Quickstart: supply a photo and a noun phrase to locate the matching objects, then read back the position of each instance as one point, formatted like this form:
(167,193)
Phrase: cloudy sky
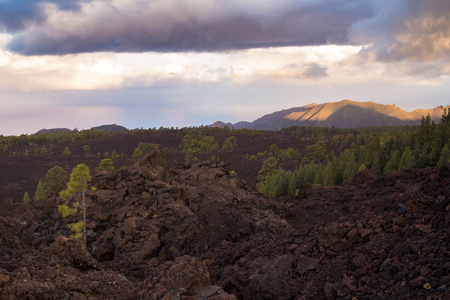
(152,63)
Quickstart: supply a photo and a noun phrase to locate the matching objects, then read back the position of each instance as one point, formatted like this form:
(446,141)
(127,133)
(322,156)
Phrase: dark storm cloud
(16,15)
(407,30)
(179,27)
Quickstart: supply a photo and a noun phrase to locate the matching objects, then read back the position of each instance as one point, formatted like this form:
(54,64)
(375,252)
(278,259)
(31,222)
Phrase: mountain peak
(345,114)
(51,130)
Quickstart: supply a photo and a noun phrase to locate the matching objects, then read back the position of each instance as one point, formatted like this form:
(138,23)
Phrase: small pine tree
(106,165)
(229,144)
(393,163)
(114,155)
(142,149)
(268,166)
(407,160)
(26,197)
(66,152)
(362,167)
(350,168)
(78,183)
(329,176)
(86,148)
(444,158)
(40,193)
(56,179)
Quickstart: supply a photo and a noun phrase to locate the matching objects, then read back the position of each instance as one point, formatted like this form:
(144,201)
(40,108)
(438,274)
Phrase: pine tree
(436,146)
(350,168)
(393,162)
(376,166)
(309,173)
(445,156)
(362,167)
(424,156)
(329,177)
(26,197)
(86,148)
(407,160)
(144,148)
(229,144)
(78,183)
(66,152)
(114,155)
(320,175)
(292,184)
(106,165)
(268,166)
(56,179)
(40,193)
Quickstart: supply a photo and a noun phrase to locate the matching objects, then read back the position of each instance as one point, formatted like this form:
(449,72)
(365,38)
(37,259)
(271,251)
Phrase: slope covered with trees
(380,150)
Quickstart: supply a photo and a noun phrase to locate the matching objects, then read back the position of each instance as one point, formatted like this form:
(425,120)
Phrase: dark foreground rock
(185,277)
(376,238)
(198,232)
(147,215)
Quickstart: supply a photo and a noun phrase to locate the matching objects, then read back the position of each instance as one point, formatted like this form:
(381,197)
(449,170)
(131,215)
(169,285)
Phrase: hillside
(343,114)
(52,130)
(111,128)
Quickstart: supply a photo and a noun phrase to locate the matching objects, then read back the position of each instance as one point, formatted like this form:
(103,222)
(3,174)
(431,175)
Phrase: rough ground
(198,232)
(20,173)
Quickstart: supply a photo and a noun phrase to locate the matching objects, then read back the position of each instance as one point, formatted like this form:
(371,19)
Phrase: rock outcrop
(147,215)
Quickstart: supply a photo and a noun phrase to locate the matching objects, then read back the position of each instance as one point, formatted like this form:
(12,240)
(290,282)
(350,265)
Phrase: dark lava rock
(198,232)
(184,278)
(156,215)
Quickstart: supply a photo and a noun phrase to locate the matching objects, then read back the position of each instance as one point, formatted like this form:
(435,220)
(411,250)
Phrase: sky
(152,63)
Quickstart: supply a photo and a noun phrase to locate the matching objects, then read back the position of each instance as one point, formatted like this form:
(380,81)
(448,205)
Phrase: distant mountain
(343,114)
(111,128)
(221,124)
(51,130)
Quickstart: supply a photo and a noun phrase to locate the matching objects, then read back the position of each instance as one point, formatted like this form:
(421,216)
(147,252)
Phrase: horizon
(83,63)
(225,122)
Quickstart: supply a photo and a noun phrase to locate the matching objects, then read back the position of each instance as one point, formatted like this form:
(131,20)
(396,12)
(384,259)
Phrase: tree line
(380,150)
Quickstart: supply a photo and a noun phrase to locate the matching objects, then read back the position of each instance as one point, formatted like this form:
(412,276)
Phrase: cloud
(315,71)
(51,27)
(416,31)
(307,71)
(18,15)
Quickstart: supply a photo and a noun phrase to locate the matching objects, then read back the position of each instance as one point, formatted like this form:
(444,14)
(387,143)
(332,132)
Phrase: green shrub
(142,149)
(229,144)
(106,165)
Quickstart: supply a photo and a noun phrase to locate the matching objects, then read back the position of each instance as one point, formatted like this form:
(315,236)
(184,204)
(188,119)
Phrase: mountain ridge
(108,127)
(344,114)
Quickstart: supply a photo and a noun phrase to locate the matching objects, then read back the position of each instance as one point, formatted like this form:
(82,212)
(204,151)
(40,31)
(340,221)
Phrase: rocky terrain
(199,232)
